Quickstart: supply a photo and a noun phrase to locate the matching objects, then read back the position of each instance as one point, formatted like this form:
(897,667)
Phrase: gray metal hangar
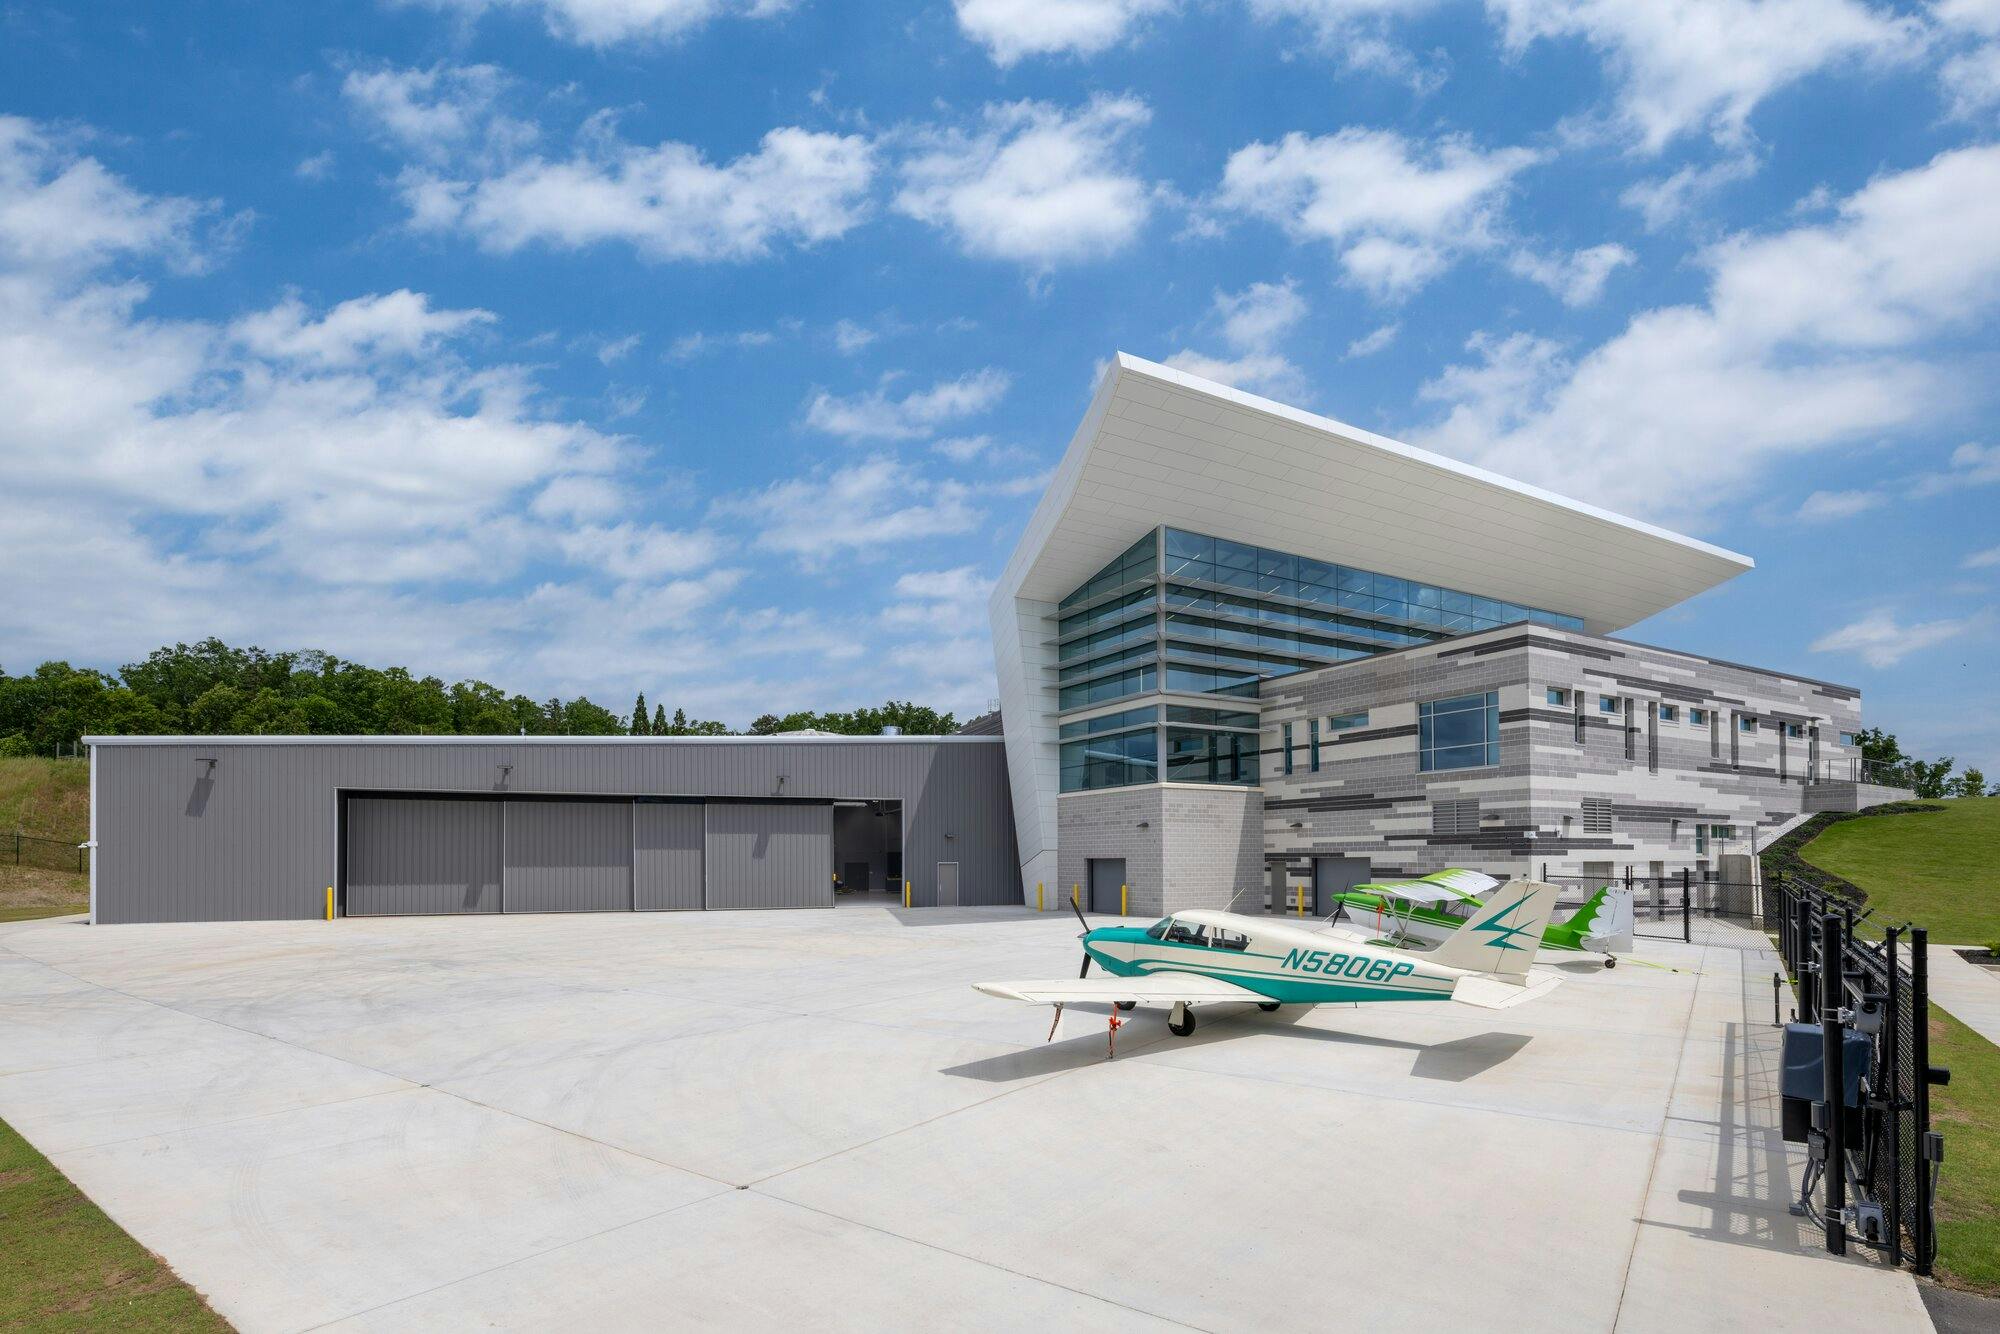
(190,829)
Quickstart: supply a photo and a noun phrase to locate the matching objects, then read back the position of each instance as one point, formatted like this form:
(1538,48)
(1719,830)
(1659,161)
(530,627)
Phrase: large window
(1111,761)
(1211,757)
(1460,733)
(1312,742)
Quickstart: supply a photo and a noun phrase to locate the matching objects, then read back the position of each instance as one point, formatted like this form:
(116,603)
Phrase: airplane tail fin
(1583,918)
(1502,937)
(1613,927)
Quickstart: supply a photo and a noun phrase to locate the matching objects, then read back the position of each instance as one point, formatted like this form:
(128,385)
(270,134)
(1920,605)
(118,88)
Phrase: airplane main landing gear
(1127,1005)
(1180,1020)
(1267,1006)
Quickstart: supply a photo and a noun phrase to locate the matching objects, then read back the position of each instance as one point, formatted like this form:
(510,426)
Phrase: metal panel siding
(769,855)
(422,857)
(667,843)
(260,840)
(569,856)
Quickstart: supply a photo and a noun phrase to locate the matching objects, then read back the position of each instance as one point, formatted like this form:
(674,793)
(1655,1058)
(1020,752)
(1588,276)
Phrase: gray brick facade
(1201,847)
(1668,780)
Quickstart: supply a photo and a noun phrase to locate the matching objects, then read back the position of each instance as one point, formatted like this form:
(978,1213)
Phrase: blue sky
(719,348)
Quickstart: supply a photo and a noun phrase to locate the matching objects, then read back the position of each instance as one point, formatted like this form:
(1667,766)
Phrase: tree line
(1888,765)
(213,689)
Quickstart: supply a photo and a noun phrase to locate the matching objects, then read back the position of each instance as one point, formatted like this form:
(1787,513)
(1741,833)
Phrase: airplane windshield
(1158,930)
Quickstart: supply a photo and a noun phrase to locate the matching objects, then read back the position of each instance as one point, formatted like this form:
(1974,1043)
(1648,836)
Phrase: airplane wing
(1153,989)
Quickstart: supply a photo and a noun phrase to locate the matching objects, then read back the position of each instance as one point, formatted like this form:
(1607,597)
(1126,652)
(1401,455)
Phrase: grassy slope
(1942,871)
(1939,870)
(64,1265)
(49,798)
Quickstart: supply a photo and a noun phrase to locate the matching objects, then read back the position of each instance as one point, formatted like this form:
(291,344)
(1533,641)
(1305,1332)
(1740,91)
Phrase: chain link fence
(53,854)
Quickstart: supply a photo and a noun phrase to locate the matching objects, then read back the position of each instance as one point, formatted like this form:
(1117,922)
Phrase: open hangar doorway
(868,851)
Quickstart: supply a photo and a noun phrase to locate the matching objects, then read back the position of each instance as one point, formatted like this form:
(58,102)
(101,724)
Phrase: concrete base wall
(1106,824)
(1853,796)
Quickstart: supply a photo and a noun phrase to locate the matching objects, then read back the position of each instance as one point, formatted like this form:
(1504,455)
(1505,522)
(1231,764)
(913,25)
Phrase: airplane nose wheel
(1180,1020)
(1267,1006)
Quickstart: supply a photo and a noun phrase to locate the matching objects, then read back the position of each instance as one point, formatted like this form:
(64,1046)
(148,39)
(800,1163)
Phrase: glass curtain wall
(1182,612)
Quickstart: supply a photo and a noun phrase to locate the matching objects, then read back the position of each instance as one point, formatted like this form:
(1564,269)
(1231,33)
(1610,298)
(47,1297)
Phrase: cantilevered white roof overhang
(1160,446)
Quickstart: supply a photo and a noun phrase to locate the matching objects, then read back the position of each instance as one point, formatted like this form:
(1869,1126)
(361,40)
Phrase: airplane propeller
(1081,973)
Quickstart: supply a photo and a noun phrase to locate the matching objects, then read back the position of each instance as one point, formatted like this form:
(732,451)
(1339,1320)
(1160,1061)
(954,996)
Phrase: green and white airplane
(1199,957)
(1431,908)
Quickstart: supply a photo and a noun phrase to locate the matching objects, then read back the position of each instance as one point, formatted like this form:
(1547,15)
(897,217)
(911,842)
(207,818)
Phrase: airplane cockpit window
(1229,940)
(1181,933)
(1158,930)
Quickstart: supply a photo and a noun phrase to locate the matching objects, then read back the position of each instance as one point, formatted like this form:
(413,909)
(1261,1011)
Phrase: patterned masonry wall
(1202,846)
(1663,778)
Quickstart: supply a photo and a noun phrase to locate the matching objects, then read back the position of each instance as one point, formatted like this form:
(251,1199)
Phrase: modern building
(1246,655)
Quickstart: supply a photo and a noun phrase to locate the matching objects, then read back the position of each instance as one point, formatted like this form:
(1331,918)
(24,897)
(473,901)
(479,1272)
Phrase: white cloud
(605,22)
(1375,341)
(617,349)
(963,448)
(1809,337)
(1830,506)
(1880,641)
(1577,278)
(1260,314)
(850,337)
(1971,81)
(864,507)
(1013,29)
(368,328)
(439,111)
(1361,34)
(1034,184)
(1971,464)
(1687,67)
(669,202)
(315,168)
(691,345)
(1253,322)
(947,602)
(1982,560)
(1663,201)
(59,209)
(875,415)
(632,551)
(1398,211)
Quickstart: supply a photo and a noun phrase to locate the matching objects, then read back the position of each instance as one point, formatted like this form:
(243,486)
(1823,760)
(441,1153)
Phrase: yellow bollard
(1076,897)
(1122,905)
(906,891)
(1302,900)
(329,903)
(1038,896)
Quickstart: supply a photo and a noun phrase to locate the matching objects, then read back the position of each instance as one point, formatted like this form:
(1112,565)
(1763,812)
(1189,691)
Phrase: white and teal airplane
(1196,958)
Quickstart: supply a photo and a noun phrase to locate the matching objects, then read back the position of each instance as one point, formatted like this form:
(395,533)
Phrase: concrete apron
(733,1120)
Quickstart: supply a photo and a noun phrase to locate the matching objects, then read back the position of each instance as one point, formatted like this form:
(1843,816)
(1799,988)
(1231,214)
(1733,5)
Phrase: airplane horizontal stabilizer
(1492,994)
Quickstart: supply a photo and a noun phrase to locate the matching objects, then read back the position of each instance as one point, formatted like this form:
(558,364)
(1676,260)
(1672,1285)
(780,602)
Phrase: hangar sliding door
(569,856)
(769,855)
(418,855)
(666,854)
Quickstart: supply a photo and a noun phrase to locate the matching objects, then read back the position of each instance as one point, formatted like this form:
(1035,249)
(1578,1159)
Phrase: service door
(1337,875)
(666,855)
(769,854)
(1106,875)
(947,884)
(569,856)
(420,855)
